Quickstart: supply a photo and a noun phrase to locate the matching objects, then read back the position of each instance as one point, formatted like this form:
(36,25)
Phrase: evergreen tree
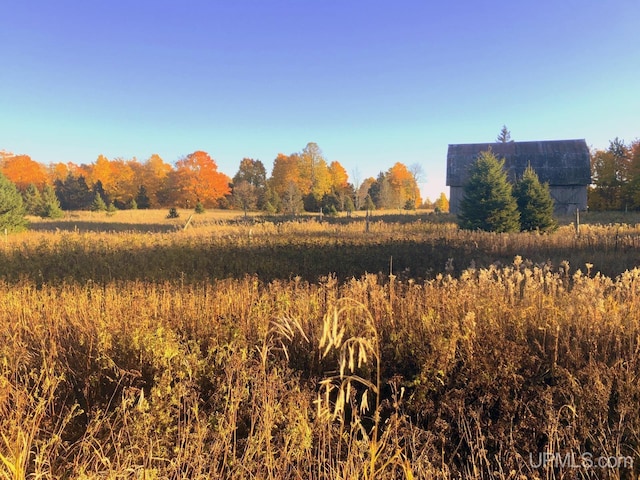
(142,198)
(49,204)
(349,207)
(12,210)
(534,203)
(73,193)
(504,136)
(488,202)
(32,199)
(98,204)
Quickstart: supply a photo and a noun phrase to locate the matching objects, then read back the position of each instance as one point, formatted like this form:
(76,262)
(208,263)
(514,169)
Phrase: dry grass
(366,379)
(138,355)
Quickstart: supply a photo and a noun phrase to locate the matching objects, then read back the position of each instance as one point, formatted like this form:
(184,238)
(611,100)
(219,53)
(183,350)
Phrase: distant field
(157,221)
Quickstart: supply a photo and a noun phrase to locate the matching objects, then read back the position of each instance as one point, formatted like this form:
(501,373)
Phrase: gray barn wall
(566,198)
(564,164)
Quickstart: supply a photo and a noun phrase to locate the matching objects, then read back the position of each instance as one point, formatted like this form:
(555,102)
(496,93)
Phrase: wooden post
(577,220)
(186,225)
(366,222)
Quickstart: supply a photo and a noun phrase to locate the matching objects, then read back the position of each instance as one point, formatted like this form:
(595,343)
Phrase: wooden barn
(564,164)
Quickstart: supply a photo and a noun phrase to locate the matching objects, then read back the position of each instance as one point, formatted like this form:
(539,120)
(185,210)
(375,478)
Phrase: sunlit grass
(262,349)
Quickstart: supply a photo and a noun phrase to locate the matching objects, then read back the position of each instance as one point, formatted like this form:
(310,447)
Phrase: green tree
(142,198)
(504,136)
(12,210)
(488,202)
(49,204)
(32,199)
(73,192)
(534,203)
(98,204)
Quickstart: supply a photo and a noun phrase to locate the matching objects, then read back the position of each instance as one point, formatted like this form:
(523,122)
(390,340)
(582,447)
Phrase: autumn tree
(340,185)
(117,178)
(292,203)
(610,172)
(363,192)
(255,175)
(632,188)
(196,179)
(22,171)
(404,187)
(441,205)
(153,174)
(488,203)
(245,195)
(12,212)
(60,171)
(286,170)
(314,171)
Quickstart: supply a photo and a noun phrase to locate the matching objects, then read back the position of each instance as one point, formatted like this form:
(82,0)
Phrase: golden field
(305,349)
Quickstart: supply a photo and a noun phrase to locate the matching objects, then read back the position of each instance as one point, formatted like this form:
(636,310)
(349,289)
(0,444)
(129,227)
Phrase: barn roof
(559,162)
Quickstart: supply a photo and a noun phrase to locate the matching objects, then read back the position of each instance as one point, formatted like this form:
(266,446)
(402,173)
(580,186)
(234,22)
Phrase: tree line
(301,181)
(615,174)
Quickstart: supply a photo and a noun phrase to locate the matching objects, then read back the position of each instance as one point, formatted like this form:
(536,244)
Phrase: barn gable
(564,164)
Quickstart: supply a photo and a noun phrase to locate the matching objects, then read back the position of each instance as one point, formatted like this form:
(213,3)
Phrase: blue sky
(371,82)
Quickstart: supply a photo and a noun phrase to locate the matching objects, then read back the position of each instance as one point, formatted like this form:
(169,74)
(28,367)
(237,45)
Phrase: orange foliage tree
(23,171)
(286,171)
(196,179)
(403,184)
(339,177)
(153,175)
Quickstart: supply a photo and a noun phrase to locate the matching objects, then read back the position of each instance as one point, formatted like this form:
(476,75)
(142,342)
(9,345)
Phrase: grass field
(401,347)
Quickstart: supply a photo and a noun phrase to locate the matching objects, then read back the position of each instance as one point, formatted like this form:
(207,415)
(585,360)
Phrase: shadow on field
(309,260)
(194,263)
(107,226)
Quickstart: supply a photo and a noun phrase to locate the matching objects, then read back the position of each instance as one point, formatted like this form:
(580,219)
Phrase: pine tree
(49,204)
(488,202)
(32,199)
(98,204)
(504,136)
(534,203)
(12,210)
(73,192)
(142,198)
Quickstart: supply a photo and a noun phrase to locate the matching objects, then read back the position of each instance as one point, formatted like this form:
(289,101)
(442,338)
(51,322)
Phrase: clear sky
(371,82)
